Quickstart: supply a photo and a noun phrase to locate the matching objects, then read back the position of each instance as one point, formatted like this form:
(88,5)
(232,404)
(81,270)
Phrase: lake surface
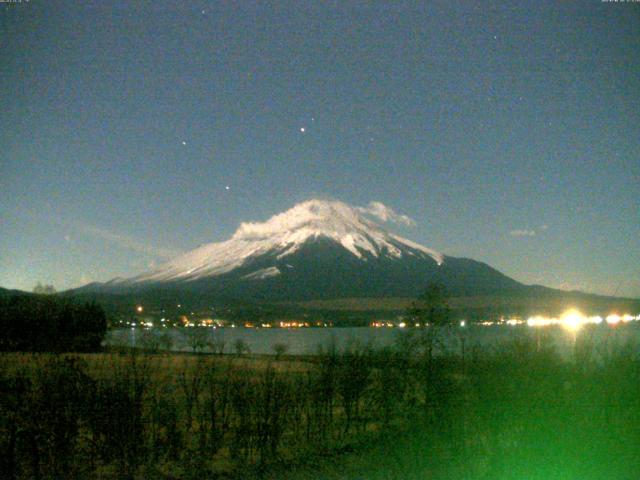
(305,341)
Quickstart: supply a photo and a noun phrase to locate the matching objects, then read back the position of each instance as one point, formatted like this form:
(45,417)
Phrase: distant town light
(572,319)
(597,319)
(539,321)
(613,319)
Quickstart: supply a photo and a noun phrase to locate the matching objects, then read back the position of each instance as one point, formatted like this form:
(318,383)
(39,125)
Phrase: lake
(305,341)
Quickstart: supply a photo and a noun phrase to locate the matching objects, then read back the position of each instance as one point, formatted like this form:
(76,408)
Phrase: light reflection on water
(307,341)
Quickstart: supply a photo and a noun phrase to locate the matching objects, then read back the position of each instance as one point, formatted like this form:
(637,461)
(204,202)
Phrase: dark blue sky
(509,131)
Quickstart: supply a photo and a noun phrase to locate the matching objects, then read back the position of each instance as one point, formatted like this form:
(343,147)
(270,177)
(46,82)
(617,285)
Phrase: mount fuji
(319,249)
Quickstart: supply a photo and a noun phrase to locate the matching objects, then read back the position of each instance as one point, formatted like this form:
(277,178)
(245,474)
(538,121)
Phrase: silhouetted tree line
(44,289)
(46,323)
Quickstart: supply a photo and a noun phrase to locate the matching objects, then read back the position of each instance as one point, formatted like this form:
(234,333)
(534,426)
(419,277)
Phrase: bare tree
(44,289)
(197,338)
(150,341)
(279,349)
(241,347)
(217,345)
(433,312)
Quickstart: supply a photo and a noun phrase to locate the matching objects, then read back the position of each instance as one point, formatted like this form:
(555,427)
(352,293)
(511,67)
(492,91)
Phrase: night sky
(510,132)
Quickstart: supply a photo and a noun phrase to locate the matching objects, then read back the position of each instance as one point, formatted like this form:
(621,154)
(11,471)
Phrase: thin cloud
(386,214)
(128,242)
(522,233)
(115,238)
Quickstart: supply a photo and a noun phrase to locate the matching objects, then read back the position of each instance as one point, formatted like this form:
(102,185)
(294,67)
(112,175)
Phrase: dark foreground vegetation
(47,323)
(516,412)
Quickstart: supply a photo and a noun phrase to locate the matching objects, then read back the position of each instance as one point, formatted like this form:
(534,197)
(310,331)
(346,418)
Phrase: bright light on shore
(540,321)
(572,320)
(613,319)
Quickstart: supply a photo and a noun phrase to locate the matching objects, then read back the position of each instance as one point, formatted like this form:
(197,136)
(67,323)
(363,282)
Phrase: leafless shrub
(279,349)
(241,347)
(217,345)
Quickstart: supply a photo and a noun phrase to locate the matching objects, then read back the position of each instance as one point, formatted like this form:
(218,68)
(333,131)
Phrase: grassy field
(515,412)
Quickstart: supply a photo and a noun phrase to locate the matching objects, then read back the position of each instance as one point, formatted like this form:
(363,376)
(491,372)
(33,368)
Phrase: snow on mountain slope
(283,235)
(262,274)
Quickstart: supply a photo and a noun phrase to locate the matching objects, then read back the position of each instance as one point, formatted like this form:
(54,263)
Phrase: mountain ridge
(318,249)
(283,234)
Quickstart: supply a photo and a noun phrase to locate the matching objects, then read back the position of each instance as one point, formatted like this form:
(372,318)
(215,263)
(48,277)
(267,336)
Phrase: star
(226,187)
(184,143)
(302,129)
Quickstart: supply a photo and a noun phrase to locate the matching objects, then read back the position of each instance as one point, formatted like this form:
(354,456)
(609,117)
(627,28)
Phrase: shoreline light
(541,321)
(573,320)
(613,319)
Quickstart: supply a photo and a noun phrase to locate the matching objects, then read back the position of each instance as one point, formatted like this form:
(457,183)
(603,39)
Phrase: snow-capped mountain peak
(286,233)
